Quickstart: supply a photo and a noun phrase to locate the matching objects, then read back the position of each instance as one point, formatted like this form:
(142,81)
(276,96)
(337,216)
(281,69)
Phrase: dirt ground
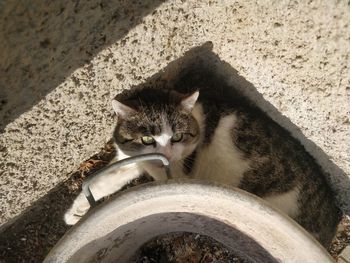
(34,233)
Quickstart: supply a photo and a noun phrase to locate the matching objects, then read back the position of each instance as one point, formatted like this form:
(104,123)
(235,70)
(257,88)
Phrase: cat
(209,135)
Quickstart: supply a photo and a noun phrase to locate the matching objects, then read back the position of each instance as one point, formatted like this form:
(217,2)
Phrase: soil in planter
(184,247)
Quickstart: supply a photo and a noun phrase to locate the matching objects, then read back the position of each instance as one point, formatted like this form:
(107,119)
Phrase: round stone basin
(116,229)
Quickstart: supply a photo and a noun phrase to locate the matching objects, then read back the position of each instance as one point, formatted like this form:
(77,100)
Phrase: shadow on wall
(44,220)
(44,42)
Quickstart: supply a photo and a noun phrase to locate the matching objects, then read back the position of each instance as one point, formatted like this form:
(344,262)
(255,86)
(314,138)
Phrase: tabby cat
(209,135)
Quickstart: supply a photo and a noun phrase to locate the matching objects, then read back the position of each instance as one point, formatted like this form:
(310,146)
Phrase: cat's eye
(147,140)
(177,137)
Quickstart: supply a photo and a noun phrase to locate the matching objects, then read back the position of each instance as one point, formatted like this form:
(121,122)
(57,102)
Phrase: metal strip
(114,166)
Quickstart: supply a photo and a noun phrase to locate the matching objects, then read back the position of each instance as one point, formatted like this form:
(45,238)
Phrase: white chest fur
(221,161)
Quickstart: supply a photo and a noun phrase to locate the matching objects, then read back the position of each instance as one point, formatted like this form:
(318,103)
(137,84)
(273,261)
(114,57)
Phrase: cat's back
(262,157)
(280,164)
(246,148)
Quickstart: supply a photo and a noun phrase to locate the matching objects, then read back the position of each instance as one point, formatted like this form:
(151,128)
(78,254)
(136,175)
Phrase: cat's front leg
(77,210)
(100,187)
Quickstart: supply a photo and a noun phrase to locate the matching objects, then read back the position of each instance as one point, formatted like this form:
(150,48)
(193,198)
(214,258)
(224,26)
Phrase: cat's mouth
(156,163)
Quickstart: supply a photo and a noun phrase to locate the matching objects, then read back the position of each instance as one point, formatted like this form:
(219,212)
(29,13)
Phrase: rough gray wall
(62,62)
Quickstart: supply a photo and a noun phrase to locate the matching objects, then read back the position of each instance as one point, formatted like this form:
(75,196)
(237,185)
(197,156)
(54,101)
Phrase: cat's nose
(167,152)
(167,155)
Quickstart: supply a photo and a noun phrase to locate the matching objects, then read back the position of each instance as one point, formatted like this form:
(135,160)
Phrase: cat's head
(157,121)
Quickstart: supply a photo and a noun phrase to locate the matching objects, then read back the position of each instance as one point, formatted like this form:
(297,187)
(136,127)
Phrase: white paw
(76,212)
(70,218)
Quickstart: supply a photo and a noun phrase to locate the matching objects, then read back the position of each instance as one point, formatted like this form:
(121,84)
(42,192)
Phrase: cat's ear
(121,109)
(189,101)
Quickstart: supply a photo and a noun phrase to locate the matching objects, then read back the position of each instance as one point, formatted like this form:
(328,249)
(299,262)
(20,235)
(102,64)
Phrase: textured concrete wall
(62,62)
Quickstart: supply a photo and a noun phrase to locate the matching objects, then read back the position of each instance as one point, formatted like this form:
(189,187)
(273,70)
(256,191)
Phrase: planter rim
(201,198)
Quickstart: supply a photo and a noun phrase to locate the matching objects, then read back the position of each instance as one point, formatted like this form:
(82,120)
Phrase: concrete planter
(113,231)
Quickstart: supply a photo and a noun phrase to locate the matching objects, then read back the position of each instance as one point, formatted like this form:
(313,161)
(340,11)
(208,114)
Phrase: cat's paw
(77,211)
